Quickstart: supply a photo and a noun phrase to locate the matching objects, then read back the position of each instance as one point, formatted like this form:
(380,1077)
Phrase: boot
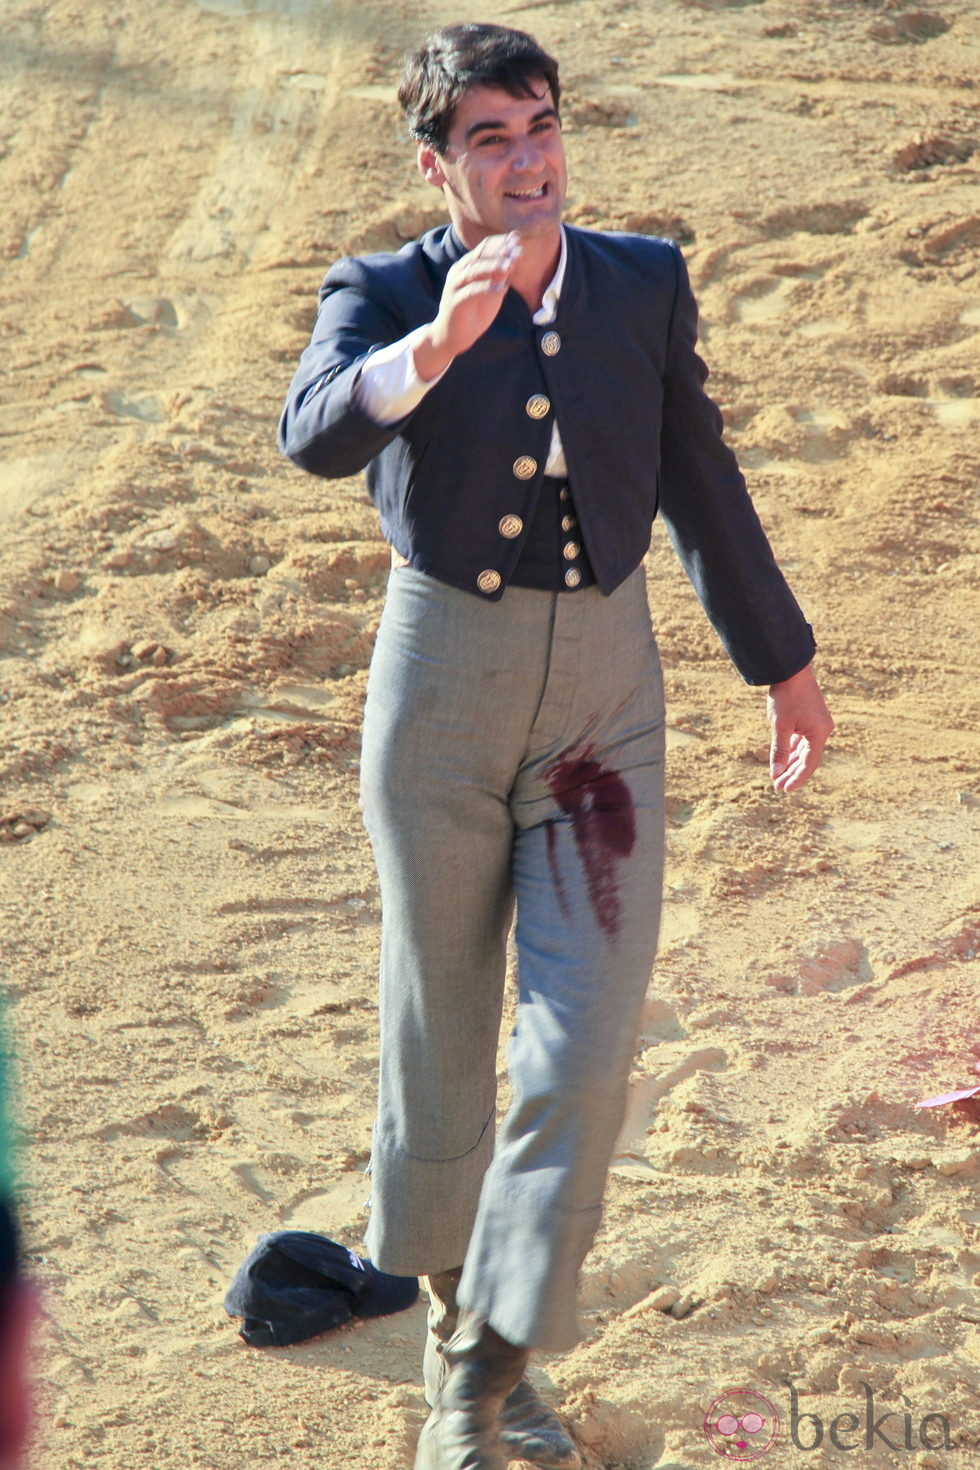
(529,1429)
(463,1430)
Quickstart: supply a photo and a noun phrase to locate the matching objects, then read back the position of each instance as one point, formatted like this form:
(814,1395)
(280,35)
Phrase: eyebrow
(501,127)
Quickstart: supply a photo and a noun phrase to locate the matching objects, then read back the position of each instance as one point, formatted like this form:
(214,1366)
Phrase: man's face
(504,165)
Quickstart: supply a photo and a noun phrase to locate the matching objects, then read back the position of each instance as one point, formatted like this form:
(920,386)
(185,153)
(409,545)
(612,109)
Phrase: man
(523,395)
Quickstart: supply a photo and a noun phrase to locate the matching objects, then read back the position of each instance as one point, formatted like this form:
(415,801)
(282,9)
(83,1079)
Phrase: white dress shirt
(389,387)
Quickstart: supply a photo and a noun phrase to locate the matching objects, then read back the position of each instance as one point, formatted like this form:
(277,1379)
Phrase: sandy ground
(189,914)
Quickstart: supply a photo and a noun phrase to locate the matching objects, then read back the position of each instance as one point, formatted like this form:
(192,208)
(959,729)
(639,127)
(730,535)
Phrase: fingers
(473,293)
(794,758)
(780,750)
(472,290)
(492,262)
(797,766)
(801,727)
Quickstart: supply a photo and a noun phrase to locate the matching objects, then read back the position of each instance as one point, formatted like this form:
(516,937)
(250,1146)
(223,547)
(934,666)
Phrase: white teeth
(526,193)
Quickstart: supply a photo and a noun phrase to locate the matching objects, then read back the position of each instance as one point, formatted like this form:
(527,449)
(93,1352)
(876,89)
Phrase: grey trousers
(512,754)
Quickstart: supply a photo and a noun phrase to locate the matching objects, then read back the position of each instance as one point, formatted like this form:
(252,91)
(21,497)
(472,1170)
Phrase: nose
(526,155)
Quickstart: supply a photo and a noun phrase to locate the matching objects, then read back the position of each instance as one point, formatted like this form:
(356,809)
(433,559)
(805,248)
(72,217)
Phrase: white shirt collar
(549,302)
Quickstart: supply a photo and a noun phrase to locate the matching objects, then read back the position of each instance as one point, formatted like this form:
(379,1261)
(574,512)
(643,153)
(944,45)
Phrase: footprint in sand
(955,413)
(831,218)
(139,311)
(143,406)
(646,1091)
(659,1022)
(340,1207)
(764,301)
(838,965)
(768,298)
(170,1121)
(27,480)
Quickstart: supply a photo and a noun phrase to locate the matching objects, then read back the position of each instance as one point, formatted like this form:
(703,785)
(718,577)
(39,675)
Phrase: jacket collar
(444,247)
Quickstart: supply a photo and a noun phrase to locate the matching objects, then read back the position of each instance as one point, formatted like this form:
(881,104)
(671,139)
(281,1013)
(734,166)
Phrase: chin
(534,228)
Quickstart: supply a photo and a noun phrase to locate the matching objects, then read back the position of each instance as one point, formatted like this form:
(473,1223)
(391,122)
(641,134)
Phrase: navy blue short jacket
(619,369)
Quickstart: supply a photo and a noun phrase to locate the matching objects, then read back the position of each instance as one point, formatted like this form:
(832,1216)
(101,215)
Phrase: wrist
(801,676)
(431,354)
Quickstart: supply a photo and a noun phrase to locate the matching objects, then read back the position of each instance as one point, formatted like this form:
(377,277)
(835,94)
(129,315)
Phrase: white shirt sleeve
(389,387)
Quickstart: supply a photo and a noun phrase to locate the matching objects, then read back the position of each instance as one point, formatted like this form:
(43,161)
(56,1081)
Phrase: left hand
(801,726)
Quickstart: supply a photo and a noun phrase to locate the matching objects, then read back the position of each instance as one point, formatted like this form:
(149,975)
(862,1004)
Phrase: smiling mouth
(538,193)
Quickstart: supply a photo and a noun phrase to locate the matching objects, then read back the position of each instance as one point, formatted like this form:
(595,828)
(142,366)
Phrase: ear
(430,166)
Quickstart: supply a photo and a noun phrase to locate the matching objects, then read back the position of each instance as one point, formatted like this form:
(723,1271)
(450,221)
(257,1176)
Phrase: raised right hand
(471,298)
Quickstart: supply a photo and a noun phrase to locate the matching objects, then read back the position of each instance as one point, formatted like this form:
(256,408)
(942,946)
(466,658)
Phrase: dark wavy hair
(458,57)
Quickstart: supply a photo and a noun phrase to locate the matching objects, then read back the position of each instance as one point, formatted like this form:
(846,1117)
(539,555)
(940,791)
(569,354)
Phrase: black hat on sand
(294,1285)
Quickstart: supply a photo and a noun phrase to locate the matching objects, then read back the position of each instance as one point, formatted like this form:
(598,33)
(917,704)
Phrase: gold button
(568,523)
(573,577)
(571,550)
(524,467)
(550,344)
(563,494)
(537,406)
(510,526)
(488,581)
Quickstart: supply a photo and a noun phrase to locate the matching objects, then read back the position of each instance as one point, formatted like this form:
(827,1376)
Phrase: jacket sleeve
(712,522)
(322,428)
